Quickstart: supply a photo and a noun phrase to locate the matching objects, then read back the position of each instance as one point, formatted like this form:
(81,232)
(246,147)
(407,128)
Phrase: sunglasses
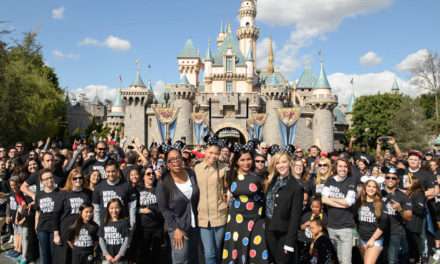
(101,149)
(323,165)
(391,178)
(148,173)
(46,179)
(260,161)
(77,178)
(176,160)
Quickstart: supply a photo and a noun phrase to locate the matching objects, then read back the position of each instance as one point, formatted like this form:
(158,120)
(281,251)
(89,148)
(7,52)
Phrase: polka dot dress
(245,241)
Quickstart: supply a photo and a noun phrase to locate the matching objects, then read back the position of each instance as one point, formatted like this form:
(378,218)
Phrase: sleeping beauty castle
(224,93)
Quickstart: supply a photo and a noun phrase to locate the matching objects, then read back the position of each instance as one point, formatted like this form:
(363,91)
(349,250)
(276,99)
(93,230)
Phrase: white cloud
(413,60)
(310,19)
(369,83)
(112,42)
(58,13)
(90,91)
(117,43)
(61,55)
(105,92)
(370,59)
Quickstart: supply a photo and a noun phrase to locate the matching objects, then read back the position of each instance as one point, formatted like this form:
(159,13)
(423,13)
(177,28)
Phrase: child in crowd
(113,235)
(321,249)
(83,236)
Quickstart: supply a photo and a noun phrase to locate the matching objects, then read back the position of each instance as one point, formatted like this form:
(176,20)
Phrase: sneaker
(22,261)
(15,254)
(9,253)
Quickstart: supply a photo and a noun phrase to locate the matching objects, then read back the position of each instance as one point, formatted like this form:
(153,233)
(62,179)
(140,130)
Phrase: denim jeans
(188,254)
(397,244)
(342,240)
(46,248)
(212,239)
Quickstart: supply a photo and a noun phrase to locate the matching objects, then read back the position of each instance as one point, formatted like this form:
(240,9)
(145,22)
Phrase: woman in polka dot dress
(244,237)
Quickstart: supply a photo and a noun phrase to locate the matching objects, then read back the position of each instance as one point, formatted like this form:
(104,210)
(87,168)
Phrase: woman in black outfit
(284,202)
(178,197)
(74,194)
(149,221)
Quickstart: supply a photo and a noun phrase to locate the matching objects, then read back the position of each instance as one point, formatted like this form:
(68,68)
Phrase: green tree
(409,125)
(32,104)
(372,115)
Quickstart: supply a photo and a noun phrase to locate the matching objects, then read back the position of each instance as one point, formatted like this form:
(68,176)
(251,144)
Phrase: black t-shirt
(49,205)
(71,203)
(147,199)
(87,237)
(95,164)
(395,219)
(368,222)
(114,234)
(426,178)
(339,218)
(104,192)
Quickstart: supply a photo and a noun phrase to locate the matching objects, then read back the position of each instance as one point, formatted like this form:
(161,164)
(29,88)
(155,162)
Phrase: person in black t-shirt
(426,177)
(83,236)
(339,195)
(48,204)
(99,161)
(398,207)
(372,222)
(113,187)
(74,195)
(149,222)
(114,234)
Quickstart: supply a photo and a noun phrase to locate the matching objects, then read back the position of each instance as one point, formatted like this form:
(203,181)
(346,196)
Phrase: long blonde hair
(273,170)
(320,178)
(69,186)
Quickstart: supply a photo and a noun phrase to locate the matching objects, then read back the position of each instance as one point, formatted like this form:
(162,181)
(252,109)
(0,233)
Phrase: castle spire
(138,82)
(270,67)
(229,29)
(322,82)
(208,56)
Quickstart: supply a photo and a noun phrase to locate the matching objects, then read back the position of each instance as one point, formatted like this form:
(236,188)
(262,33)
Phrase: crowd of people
(112,202)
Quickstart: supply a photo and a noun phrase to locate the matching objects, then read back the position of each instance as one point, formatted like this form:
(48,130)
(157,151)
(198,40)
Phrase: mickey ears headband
(237,148)
(165,148)
(289,149)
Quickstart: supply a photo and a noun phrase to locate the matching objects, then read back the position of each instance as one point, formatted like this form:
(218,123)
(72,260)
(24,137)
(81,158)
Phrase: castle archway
(231,134)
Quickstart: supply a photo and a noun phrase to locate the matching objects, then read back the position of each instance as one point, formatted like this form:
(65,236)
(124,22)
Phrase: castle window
(229,64)
(229,86)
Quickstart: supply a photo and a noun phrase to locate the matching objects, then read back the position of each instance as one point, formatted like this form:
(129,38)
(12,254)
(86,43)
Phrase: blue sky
(396,33)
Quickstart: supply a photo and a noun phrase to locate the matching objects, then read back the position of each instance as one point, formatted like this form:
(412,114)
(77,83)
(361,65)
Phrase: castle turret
(190,63)
(250,70)
(323,102)
(248,33)
(115,119)
(208,68)
(136,98)
(184,93)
